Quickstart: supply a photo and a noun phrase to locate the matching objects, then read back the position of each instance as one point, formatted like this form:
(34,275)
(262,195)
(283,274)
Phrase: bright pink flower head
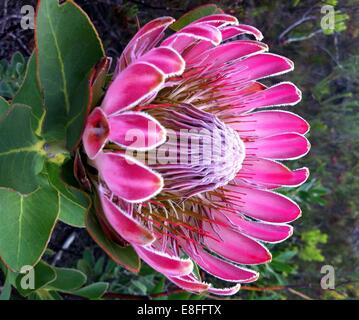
(186,162)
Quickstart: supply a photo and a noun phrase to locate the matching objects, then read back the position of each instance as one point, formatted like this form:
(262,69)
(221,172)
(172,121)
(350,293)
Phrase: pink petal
(228,52)
(232,93)
(235,246)
(190,284)
(124,224)
(234,31)
(251,88)
(168,60)
(263,205)
(267,123)
(128,178)
(196,50)
(204,32)
(180,42)
(225,291)
(286,146)
(260,66)
(263,171)
(96,133)
(220,268)
(171,266)
(256,185)
(281,94)
(218,20)
(136,83)
(159,24)
(248,89)
(224,99)
(190,35)
(262,231)
(136,130)
(144,40)
(231,32)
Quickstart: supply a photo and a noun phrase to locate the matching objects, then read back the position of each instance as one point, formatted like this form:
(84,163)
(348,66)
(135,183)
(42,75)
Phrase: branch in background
(330,55)
(20,42)
(305,18)
(296,24)
(64,247)
(303,38)
(4,20)
(336,46)
(5,15)
(300,294)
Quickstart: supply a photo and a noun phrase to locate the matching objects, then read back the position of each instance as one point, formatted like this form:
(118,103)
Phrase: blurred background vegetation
(327,71)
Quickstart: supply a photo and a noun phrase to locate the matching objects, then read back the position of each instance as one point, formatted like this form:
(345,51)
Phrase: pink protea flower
(215,210)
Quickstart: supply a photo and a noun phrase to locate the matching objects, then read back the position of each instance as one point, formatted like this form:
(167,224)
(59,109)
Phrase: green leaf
(4,106)
(92,291)
(85,267)
(98,268)
(285,256)
(43,275)
(11,75)
(201,296)
(331,2)
(53,295)
(6,290)
(26,224)
(44,295)
(17,59)
(160,285)
(124,256)
(195,14)
(6,90)
(74,203)
(29,92)
(68,47)
(179,296)
(281,266)
(67,280)
(139,286)
(72,213)
(21,153)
